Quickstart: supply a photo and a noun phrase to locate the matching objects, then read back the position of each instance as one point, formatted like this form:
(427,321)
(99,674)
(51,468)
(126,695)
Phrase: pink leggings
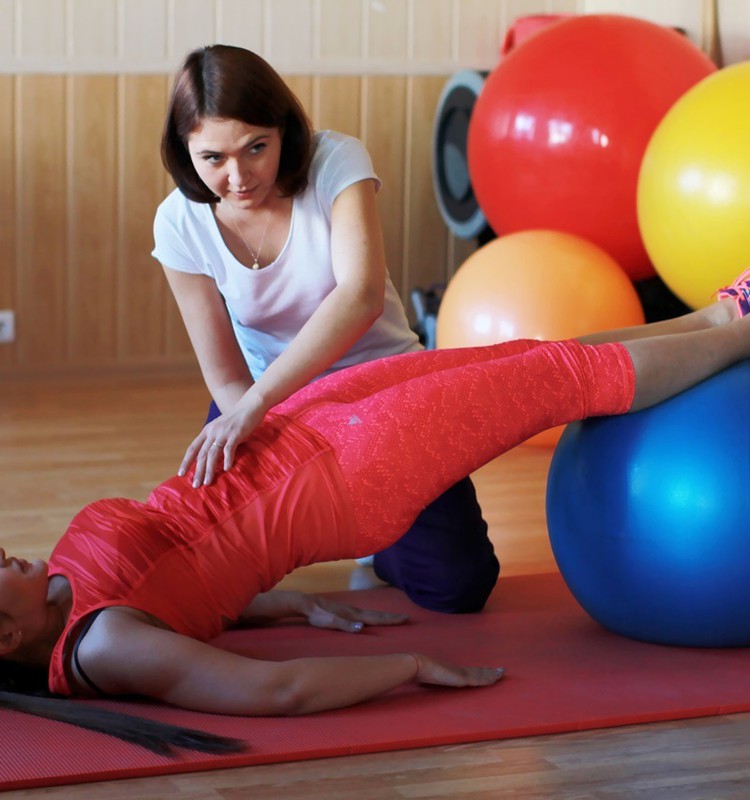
(406,428)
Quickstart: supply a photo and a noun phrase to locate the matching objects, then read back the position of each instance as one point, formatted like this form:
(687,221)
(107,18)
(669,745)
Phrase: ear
(10,636)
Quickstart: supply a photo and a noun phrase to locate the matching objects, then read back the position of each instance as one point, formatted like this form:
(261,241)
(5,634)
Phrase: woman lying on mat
(134,592)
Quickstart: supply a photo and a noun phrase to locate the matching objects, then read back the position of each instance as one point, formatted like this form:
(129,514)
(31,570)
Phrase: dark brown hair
(23,688)
(227,82)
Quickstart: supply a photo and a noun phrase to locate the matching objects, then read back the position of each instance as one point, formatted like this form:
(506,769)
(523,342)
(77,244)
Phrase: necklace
(255,256)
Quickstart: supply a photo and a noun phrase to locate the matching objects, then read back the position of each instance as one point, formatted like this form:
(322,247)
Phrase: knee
(458,587)
(446,561)
(464,586)
(458,581)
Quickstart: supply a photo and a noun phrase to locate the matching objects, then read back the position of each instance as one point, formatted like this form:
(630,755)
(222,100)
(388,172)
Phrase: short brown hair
(227,82)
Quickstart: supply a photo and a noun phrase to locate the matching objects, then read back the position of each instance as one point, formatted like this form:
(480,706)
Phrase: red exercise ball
(557,134)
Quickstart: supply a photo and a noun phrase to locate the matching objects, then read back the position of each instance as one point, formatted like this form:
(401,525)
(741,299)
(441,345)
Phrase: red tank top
(195,558)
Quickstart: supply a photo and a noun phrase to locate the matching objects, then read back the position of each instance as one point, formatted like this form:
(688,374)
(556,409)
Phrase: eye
(257,148)
(212,158)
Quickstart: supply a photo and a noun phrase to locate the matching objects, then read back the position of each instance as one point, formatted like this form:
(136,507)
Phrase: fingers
(373,618)
(191,453)
(326,613)
(229,451)
(383,618)
(322,618)
(210,454)
(207,454)
(437,673)
(483,676)
(209,461)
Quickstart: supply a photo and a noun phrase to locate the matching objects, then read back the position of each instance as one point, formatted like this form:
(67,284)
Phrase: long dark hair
(24,689)
(227,82)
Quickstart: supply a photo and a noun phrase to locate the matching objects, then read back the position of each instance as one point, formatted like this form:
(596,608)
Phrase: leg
(667,365)
(362,380)
(402,446)
(711,316)
(709,339)
(445,561)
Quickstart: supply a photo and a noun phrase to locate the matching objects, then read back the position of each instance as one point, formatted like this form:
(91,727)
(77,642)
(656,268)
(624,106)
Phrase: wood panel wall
(81,178)
(83,88)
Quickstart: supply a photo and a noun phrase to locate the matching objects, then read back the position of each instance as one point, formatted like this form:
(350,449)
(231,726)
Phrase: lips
(243,194)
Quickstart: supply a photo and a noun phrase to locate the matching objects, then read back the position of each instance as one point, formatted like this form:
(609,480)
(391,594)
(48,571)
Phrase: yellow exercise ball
(536,284)
(694,187)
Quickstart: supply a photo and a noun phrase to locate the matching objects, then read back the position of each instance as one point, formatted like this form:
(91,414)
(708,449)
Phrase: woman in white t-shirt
(273,249)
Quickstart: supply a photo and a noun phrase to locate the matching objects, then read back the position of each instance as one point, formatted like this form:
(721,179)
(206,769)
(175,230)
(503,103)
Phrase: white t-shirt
(268,307)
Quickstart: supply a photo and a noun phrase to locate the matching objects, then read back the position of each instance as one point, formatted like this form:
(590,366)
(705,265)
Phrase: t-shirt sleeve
(173,238)
(342,162)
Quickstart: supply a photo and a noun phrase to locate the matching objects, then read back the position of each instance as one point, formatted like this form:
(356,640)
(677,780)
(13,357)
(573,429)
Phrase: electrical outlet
(7,326)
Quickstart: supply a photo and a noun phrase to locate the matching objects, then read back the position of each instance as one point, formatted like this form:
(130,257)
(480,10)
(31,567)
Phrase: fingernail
(357,626)
(500,671)
(181,473)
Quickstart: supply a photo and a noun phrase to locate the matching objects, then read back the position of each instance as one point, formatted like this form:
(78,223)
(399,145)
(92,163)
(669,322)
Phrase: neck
(272,204)
(59,606)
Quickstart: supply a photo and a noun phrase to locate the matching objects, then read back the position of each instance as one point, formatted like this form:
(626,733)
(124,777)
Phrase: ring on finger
(219,445)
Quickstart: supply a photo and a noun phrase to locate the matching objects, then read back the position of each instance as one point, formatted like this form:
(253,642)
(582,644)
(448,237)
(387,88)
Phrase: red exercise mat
(564,673)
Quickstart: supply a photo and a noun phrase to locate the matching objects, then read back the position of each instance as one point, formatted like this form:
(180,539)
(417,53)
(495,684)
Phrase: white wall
(297,36)
(733,19)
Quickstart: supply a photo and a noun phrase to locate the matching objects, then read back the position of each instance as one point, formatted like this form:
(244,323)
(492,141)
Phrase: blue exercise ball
(649,516)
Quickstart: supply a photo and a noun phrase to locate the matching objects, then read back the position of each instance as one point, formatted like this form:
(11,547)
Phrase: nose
(238,173)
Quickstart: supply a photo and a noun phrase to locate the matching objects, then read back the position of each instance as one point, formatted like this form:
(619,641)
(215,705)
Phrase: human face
(23,587)
(237,162)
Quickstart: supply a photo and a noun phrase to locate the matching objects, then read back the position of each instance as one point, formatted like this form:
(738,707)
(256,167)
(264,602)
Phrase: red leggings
(406,428)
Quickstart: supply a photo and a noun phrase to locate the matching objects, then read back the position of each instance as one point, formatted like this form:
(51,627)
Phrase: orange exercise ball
(537,284)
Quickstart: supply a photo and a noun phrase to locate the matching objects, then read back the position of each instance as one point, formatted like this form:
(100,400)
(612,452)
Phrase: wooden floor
(63,445)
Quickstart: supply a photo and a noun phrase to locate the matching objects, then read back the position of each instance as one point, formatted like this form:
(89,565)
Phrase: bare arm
(125,655)
(222,364)
(320,612)
(340,320)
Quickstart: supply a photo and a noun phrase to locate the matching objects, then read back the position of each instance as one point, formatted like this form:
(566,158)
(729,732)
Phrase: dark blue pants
(445,561)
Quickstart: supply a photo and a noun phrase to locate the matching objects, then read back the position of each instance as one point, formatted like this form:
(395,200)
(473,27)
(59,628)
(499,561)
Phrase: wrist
(254,402)
(301,603)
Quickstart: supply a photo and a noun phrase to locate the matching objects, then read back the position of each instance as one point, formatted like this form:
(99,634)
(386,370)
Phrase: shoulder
(114,632)
(182,230)
(332,145)
(327,141)
(338,161)
(175,210)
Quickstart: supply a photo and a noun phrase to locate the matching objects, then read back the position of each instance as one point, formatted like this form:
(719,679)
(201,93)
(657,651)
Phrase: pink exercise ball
(535,285)
(557,134)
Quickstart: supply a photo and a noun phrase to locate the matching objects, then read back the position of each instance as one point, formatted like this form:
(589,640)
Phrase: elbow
(292,699)
(297,691)
(372,303)
(378,306)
